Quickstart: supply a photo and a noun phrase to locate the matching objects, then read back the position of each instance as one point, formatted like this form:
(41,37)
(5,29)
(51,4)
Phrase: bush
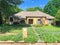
(25,25)
(37,25)
(57,22)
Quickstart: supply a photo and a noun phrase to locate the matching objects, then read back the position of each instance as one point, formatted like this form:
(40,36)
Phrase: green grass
(14,32)
(15,38)
(32,37)
(12,28)
(49,33)
(46,33)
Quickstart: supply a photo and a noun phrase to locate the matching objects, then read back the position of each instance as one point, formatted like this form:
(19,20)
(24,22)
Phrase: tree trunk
(0,18)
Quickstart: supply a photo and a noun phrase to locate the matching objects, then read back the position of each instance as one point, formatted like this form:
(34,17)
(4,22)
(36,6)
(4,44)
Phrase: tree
(34,9)
(12,10)
(58,15)
(7,7)
(52,7)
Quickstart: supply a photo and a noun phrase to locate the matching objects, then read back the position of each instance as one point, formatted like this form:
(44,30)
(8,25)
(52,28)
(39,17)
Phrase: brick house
(31,17)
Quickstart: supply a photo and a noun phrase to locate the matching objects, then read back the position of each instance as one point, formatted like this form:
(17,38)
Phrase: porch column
(44,21)
(27,20)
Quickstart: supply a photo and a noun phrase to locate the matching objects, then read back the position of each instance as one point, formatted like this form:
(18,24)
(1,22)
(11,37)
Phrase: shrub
(37,25)
(57,22)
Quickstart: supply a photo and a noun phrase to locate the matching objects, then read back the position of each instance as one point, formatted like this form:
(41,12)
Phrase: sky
(33,3)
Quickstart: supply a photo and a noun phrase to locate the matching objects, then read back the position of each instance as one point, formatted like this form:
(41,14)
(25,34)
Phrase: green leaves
(34,9)
(58,15)
(52,7)
(9,7)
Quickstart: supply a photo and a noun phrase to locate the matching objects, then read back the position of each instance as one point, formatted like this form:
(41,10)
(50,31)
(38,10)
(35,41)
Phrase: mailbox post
(24,32)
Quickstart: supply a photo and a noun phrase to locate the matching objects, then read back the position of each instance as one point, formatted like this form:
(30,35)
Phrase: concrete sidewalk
(18,43)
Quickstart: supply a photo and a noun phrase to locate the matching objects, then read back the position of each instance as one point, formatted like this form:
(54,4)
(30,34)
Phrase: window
(39,21)
(50,21)
(30,21)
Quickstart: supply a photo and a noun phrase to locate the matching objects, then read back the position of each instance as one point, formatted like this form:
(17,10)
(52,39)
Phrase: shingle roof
(23,14)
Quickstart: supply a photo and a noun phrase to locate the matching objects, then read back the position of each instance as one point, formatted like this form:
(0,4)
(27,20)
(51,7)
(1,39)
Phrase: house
(31,17)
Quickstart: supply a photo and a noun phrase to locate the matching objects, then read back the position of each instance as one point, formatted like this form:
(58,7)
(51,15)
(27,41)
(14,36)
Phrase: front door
(30,21)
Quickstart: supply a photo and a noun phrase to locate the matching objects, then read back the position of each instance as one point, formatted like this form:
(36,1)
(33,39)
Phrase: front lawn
(49,33)
(32,37)
(15,38)
(10,28)
(11,32)
(14,33)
